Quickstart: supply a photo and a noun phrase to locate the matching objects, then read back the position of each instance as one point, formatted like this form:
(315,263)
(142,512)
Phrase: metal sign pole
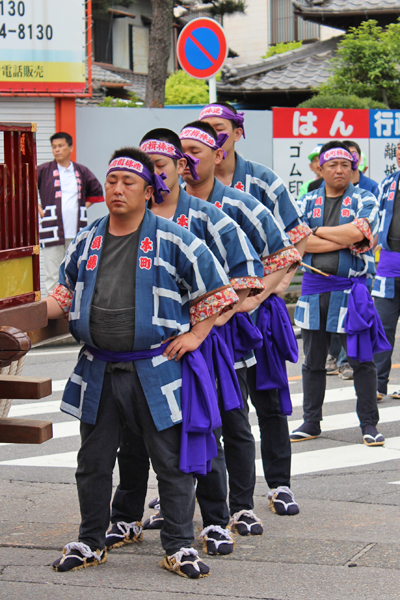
(212,89)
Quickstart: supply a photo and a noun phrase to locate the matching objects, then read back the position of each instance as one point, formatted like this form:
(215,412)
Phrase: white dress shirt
(69,200)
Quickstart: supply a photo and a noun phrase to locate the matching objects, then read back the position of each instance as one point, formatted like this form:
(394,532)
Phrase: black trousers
(238,456)
(389,312)
(240,453)
(316,345)
(123,403)
(276,453)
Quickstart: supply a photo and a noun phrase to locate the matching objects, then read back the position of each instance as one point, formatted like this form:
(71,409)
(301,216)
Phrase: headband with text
(339,153)
(217,110)
(167,149)
(198,135)
(124,163)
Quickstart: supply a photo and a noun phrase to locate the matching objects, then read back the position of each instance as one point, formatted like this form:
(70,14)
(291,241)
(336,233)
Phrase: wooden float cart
(23,315)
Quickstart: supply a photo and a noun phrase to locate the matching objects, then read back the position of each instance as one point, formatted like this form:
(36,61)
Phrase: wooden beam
(55,329)
(16,386)
(24,431)
(25,317)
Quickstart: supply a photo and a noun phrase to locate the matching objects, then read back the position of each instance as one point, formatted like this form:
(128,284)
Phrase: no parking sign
(202,48)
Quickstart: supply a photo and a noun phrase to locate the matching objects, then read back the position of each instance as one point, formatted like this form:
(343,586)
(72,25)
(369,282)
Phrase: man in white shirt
(66,190)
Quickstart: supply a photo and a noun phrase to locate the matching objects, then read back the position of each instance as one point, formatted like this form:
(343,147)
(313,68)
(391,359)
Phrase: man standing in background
(66,190)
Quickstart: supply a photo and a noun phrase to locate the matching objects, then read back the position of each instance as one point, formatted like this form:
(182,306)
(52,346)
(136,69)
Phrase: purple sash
(365,333)
(200,413)
(220,366)
(240,335)
(279,345)
(389,264)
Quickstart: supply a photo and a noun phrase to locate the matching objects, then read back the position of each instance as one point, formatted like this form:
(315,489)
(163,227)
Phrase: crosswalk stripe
(341,421)
(305,462)
(342,457)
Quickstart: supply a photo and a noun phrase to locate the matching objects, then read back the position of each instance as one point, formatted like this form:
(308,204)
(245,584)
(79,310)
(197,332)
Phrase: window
(286,27)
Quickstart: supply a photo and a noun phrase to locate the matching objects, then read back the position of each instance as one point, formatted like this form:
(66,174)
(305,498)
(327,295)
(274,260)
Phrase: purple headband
(217,110)
(335,153)
(124,163)
(167,149)
(198,135)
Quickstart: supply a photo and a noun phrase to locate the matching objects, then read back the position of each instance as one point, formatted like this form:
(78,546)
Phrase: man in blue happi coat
(264,184)
(343,219)
(139,292)
(277,254)
(386,291)
(234,252)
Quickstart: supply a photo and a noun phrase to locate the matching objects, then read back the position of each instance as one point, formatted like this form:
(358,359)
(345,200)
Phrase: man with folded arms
(344,220)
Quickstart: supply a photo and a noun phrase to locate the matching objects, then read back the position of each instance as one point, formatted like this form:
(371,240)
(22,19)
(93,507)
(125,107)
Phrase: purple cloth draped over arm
(279,345)
(200,413)
(364,329)
(220,366)
(389,264)
(240,335)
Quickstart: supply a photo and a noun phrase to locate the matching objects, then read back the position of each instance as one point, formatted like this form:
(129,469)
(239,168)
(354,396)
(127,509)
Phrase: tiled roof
(133,82)
(301,69)
(330,6)
(104,76)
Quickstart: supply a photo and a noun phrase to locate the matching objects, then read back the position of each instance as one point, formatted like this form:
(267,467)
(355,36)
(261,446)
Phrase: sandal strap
(83,549)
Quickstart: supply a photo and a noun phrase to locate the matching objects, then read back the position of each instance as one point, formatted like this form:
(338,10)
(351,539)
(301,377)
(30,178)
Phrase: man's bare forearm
(341,234)
(317,245)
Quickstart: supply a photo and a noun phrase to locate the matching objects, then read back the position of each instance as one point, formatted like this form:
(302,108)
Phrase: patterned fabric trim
(245,283)
(63,297)
(365,228)
(276,262)
(212,304)
(298,233)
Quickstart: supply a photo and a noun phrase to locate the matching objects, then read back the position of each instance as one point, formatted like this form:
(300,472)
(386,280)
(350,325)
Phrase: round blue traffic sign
(202,48)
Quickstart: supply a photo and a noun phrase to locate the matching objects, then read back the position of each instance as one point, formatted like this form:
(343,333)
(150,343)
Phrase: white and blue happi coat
(356,204)
(174,270)
(222,235)
(384,287)
(267,187)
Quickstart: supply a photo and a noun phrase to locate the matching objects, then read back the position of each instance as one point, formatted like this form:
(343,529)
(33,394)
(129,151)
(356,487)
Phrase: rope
(15,368)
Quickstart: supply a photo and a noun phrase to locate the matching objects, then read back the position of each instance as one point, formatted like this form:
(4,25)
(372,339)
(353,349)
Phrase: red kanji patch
(318,201)
(316,213)
(347,201)
(345,212)
(145,263)
(183,221)
(146,245)
(391,196)
(239,186)
(393,185)
(96,244)
(218,204)
(92,262)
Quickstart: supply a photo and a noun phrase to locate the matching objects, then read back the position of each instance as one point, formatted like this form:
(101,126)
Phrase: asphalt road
(343,544)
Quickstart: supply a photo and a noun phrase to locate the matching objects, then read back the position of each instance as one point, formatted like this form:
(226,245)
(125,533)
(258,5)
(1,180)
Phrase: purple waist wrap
(389,264)
(200,413)
(240,335)
(365,333)
(279,345)
(220,366)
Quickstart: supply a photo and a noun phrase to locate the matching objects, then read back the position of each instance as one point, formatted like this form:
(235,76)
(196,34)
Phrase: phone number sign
(42,46)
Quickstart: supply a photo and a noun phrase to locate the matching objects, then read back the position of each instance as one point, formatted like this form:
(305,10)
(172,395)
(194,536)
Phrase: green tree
(282,47)
(339,101)
(367,64)
(180,88)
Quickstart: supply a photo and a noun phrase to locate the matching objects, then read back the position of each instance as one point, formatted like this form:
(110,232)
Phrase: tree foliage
(282,47)
(340,101)
(367,64)
(226,7)
(180,88)
(133,102)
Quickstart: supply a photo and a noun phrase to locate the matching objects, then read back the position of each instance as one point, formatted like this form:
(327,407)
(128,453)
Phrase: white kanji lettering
(397,123)
(340,125)
(304,124)
(383,123)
